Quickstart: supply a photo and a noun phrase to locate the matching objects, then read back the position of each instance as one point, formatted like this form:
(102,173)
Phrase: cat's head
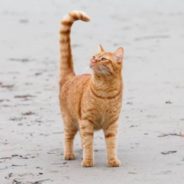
(107,63)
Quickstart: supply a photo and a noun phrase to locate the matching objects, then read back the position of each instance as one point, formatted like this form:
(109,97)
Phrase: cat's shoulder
(84,76)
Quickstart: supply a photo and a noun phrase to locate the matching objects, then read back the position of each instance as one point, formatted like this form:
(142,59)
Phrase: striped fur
(90,102)
(66,65)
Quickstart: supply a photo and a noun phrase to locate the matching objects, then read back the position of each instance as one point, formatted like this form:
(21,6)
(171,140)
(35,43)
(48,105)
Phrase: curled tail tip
(81,15)
(84,17)
(77,15)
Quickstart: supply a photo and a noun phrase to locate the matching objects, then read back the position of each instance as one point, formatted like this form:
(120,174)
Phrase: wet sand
(151,133)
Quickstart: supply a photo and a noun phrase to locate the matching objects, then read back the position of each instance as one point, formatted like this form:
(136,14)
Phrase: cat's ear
(119,53)
(100,48)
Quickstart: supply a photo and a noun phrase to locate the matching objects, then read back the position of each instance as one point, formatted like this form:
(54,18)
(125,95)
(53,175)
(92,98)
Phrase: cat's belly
(102,115)
(105,121)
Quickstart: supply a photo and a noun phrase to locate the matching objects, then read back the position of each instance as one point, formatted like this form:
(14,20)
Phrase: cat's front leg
(110,138)
(86,131)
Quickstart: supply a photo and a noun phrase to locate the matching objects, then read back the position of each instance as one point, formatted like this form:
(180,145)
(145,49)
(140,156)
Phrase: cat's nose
(93,60)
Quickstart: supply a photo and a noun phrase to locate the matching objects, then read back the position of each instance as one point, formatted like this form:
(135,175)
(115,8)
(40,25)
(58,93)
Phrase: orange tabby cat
(90,102)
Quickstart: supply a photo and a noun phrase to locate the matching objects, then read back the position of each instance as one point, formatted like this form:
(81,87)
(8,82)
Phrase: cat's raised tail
(66,63)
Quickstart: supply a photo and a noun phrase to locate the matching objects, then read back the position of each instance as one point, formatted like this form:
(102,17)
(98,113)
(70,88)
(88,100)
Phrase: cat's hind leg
(70,131)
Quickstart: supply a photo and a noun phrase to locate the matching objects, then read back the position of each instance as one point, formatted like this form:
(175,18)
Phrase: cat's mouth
(93,63)
(99,68)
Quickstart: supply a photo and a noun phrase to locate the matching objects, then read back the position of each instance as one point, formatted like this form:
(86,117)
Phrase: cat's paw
(69,156)
(114,163)
(87,163)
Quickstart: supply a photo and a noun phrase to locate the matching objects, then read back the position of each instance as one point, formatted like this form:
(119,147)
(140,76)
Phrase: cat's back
(76,81)
(71,92)
(75,86)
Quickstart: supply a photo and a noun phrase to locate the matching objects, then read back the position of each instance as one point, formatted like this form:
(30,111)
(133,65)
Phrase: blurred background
(151,134)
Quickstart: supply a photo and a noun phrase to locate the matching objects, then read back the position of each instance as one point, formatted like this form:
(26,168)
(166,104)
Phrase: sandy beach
(151,132)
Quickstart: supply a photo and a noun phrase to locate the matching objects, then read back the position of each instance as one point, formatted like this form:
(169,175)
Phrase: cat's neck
(105,86)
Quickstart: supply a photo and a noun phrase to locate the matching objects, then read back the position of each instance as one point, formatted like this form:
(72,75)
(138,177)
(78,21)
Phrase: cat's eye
(104,59)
